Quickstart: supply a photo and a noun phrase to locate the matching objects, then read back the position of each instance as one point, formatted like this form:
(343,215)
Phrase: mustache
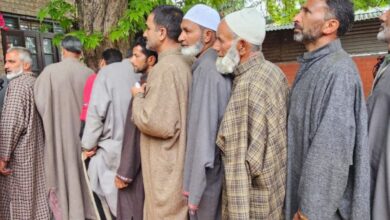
(297,26)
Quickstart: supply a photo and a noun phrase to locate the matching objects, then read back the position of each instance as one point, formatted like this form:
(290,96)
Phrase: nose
(144,35)
(382,18)
(181,37)
(297,17)
(217,46)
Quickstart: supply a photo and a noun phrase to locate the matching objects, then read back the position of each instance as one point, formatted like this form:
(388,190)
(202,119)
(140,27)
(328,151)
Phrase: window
(24,31)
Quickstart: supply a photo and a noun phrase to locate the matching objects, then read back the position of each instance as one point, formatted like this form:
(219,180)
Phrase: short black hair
(112,55)
(169,17)
(141,41)
(72,44)
(342,10)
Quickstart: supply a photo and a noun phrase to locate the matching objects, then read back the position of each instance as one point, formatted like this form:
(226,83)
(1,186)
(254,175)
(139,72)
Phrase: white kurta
(104,127)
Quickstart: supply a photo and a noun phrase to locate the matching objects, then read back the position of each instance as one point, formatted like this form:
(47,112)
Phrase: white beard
(298,37)
(193,50)
(230,61)
(383,35)
(11,75)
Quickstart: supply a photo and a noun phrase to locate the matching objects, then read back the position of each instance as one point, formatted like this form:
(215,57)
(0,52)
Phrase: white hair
(24,54)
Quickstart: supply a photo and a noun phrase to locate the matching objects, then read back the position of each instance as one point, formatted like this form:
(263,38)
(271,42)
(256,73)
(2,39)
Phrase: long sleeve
(96,113)
(130,163)
(210,95)
(13,120)
(326,167)
(42,92)
(152,112)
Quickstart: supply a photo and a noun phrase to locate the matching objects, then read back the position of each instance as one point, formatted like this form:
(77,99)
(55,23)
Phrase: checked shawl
(23,193)
(252,137)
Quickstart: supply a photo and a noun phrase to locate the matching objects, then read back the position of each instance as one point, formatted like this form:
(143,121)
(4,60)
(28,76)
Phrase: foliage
(283,11)
(133,20)
(60,11)
(366,4)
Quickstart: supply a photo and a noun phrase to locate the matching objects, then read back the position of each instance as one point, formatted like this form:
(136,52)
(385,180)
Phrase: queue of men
(197,124)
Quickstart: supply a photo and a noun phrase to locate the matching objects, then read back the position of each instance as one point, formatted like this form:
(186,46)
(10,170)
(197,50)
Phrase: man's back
(104,127)
(58,92)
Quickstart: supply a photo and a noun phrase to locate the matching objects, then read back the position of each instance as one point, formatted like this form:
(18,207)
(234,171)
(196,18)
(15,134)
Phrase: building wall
(21,7)
(365,65)
(361,42)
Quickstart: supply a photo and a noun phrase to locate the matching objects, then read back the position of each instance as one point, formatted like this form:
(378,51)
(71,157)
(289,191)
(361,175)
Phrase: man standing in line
(22,179)
(59,94)
(209,95)
(104,128)
(159,112)
(4,81)
(328,157)
(379,129)
(129,179)
(252,135)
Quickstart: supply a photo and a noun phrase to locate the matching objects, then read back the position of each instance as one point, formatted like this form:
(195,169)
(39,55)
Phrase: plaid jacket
(23,193)
(252,137)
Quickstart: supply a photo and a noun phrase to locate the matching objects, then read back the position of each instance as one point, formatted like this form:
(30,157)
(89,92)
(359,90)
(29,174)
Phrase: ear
(102,63)
(331,26)
(207,36)
(26,66)
(242,47)
(151,61)
(162,33)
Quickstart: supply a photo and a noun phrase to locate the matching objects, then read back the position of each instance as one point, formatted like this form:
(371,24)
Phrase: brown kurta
(58,93)
(160,114)
(131,199)
(253,141)
(23,193)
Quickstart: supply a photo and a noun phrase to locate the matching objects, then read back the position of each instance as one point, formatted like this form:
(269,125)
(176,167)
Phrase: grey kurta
(160,115)
(203,171)
(58,94)
(23,193)
(378,129)
(3,89)
(104,126)
(328,157)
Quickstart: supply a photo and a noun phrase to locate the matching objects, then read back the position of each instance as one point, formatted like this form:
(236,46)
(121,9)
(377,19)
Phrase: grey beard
(383,35)
(298,37)
(193,50)
(11,75)
(229,62)
(307,37)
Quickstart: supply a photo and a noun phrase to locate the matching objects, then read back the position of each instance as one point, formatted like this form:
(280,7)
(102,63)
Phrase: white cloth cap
(203,15)
(248,24)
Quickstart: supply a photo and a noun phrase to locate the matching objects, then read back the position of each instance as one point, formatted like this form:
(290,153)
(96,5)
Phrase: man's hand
(192,209)
(3,168)
(299,216)
(120,184)
(135,90)
(90,153)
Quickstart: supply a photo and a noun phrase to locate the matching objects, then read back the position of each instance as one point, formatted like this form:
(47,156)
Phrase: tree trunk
(101,16)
